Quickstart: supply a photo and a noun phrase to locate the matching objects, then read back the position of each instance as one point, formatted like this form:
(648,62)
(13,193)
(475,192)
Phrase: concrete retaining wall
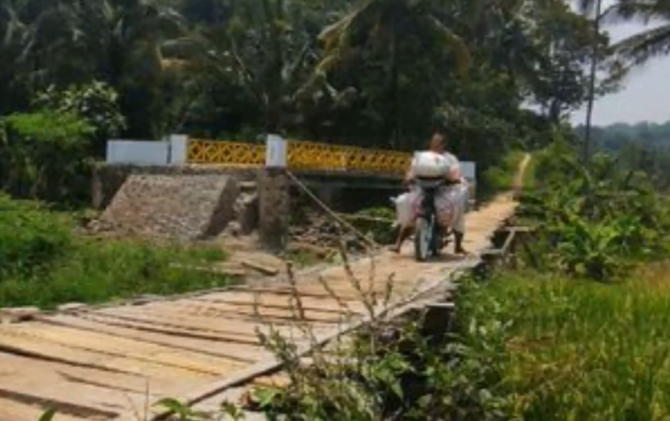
(180,206)
(108,178)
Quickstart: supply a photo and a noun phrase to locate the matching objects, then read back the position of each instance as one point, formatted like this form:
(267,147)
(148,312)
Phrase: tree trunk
(592,81)
(395,124)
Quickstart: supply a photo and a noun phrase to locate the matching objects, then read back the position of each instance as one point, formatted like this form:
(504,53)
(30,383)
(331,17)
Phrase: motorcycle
(429,237)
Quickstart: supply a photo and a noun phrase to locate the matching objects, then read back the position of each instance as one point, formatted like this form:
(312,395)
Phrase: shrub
(42,156)
(43,264)
(31,239)
(95,103)
(594,221)
(376,223)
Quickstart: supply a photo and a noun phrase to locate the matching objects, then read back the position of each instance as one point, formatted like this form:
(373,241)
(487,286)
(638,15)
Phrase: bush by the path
(593,220)
(43,264)
(31,239)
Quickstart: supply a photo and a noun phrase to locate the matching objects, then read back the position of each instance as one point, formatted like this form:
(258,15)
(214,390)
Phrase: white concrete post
(178,149)
(275,152)
(273,196)
(468,171)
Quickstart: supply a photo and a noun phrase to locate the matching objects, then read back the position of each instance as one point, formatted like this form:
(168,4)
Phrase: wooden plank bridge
(105,363)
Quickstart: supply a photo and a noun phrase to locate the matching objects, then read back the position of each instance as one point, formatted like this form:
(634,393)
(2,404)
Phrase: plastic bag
(447,207)
(404,207)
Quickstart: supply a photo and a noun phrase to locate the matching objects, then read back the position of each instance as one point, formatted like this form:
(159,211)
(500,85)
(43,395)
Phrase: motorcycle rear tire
(422,240)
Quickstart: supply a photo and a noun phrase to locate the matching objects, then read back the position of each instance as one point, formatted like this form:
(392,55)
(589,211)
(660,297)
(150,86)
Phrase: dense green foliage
(593,221)
(42,263)
(371,73)
(643,146)
(616,136)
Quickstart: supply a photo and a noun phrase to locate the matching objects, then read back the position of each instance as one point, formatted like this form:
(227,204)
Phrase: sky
(646,92)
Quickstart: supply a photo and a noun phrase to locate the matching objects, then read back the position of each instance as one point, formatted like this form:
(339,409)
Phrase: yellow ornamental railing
(228,153)
(301,156)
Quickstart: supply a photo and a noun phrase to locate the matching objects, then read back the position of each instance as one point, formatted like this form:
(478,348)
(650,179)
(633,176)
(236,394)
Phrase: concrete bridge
(178,186)
(319,163)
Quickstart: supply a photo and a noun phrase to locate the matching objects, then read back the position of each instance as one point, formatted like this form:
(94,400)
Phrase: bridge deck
(105,363)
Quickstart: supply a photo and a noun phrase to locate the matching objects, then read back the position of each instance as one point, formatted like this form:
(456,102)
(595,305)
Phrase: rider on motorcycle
(438,145)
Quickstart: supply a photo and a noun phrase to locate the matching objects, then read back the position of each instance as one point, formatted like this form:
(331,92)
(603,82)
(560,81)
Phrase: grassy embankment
(42,263)
(577,350)
(563,346)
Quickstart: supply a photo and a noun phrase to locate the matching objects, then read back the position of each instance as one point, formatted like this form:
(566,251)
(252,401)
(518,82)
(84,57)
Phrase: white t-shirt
(454,163)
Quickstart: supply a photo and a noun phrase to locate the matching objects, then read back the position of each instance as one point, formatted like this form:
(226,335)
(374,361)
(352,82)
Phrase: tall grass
(580,350)
(43,264)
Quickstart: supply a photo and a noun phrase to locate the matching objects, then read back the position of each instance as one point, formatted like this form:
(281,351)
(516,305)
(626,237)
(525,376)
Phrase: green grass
(501,177)
(580,350)
(528,180)
(43,264)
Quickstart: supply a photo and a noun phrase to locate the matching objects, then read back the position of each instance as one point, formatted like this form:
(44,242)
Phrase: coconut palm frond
(586,6)
(640,11)
(639,48)
(454,43)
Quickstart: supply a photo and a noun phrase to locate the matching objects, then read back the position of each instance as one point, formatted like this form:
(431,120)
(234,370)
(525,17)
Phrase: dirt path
(108,363)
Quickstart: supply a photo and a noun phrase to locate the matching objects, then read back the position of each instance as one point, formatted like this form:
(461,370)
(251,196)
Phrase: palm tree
(16,43)
(594,7)
(636,49)
(114,41)
(266,48)
(380,25)
(639,48)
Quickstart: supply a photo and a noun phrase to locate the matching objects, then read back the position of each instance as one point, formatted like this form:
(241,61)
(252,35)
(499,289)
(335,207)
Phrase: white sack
(430,165)
(450,204)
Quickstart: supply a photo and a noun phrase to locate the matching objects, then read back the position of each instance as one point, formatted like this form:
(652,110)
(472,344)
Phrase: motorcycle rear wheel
(422,240)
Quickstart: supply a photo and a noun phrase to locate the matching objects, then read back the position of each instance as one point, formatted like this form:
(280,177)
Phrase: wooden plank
(326,304)
(311,290)
(125,348)
(36,384)
(148,314)
(228,350)
(134,383)
(279,380)
(188,332)
(49,351)
(291,331)
(12,410)
(206,324)
(192,308)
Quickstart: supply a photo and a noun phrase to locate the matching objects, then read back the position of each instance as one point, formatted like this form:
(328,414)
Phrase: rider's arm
(409,176)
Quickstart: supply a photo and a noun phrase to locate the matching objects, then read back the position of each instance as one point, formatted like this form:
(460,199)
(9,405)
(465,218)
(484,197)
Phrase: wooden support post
(438,321)
(273,196)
